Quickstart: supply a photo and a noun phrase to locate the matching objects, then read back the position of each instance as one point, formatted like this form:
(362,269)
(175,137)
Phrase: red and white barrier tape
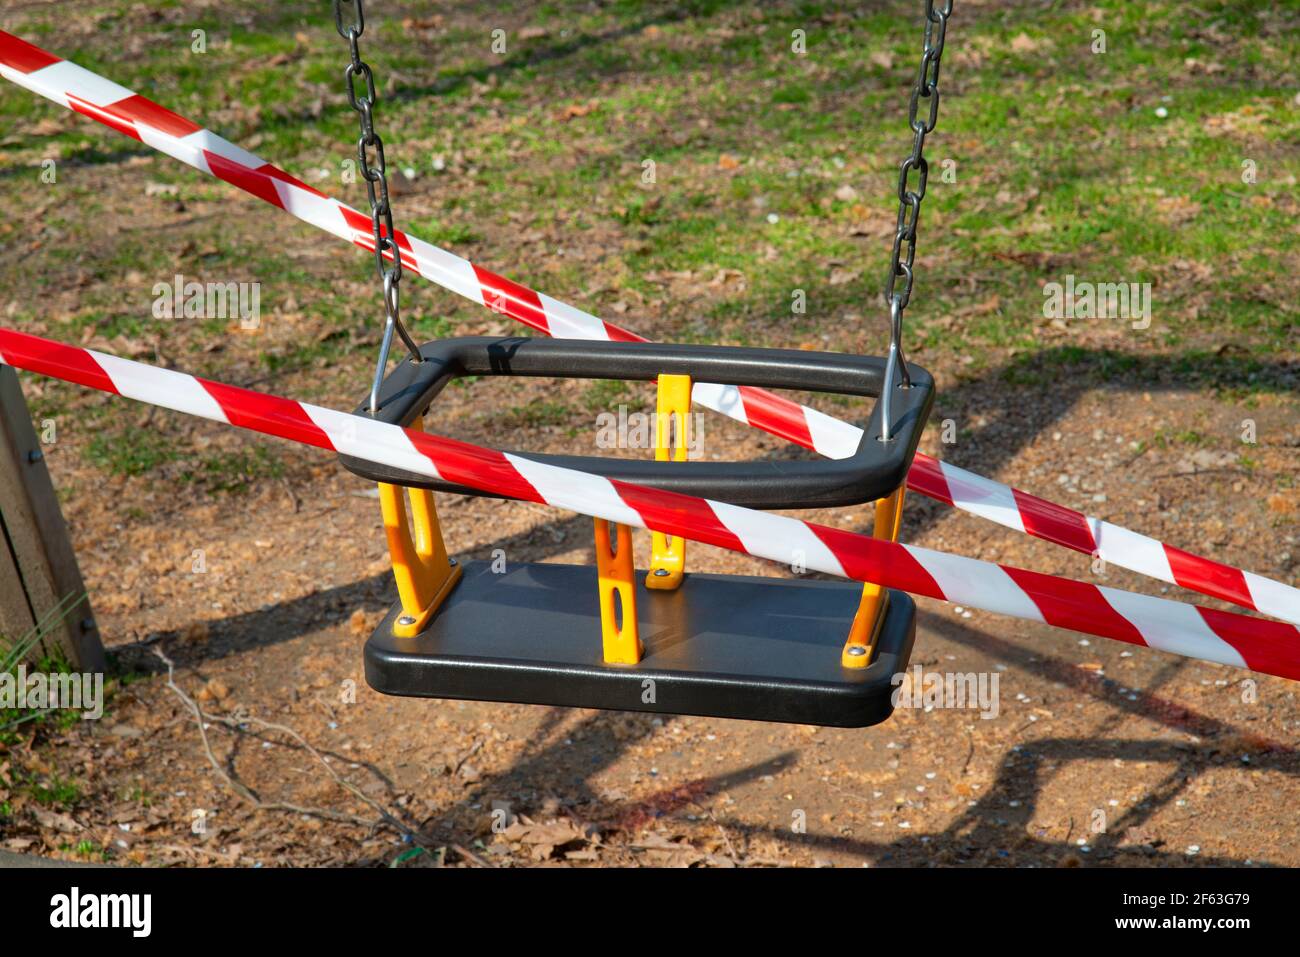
(1224,637)
(104,101)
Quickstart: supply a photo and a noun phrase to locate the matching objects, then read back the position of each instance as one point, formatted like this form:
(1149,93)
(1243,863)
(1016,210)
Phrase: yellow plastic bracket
(621,643)
(668,553)
(424,574)
(871,609)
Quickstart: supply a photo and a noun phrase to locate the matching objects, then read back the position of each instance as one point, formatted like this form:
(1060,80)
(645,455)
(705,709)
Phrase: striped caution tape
(1224,637)
(136,116)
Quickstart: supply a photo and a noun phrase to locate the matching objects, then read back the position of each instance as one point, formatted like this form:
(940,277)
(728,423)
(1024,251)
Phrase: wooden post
(38,569)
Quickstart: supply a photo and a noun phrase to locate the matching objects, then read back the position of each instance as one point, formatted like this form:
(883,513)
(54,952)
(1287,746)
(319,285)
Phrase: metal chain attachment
(374,167)
(910,196)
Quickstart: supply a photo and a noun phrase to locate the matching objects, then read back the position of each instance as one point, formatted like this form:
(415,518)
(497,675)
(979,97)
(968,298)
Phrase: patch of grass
(536,414)
(54,791)
(432,327)
(792,93)
(87,850)
(139,452)
(1164,438)
(235,471)
(142,452)
(639,211)
(604,395)
(442,233)
(21,724)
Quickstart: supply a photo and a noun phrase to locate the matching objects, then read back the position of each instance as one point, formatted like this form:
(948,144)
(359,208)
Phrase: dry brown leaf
(424,23)
(56,820)
(575,110)
(1024,43)
(882,58)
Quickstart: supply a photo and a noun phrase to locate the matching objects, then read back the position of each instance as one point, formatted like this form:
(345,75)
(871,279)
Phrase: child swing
(667,641)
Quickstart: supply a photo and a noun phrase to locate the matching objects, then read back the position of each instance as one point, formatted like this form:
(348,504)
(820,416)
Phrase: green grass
(536,414)
(145,452)
(442,233)
(1063,166)
(87,850)
(54,791)
(140,452)
(605,395)
(235,471)
(31,649)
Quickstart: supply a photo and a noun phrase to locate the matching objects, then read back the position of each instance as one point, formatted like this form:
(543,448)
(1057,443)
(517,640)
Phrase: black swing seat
(719,645)
(727,646)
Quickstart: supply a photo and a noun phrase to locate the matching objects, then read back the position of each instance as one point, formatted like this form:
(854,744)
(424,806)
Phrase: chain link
(374,169)
(913,174)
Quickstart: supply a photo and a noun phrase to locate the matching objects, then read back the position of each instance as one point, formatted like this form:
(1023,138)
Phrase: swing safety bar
(874,472)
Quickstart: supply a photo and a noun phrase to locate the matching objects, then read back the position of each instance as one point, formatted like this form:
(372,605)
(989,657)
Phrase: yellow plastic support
(668,553)
(620,640)
(424,574)
(871,609)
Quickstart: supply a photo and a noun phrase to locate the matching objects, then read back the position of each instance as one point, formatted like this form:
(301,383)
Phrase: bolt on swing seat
(667,641)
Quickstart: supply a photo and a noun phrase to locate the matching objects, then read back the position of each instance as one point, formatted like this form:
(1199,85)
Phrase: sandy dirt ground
(1099,753)
(262,595)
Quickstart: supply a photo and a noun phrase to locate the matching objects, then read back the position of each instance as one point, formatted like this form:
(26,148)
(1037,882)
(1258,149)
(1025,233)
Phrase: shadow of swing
(594,745)
(995,832)
(999,827)
(992,831)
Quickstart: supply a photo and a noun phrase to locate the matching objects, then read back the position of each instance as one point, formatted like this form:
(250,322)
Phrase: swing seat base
(764,649)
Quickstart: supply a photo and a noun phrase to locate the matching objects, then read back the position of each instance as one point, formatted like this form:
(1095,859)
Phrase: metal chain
(909,197)
(376,176)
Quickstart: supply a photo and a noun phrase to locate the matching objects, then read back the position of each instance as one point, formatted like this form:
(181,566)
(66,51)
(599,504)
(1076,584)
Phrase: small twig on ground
(731,850)
(201,719)
(469,856)
(293,496)
(1135,456)
(468,754)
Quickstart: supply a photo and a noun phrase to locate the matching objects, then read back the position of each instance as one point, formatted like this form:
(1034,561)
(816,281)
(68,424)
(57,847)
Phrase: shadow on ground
(990,832)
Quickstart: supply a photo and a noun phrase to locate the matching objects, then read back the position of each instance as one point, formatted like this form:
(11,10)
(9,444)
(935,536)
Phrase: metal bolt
(406,620)
(661,573)
(857,651)
(35,455)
